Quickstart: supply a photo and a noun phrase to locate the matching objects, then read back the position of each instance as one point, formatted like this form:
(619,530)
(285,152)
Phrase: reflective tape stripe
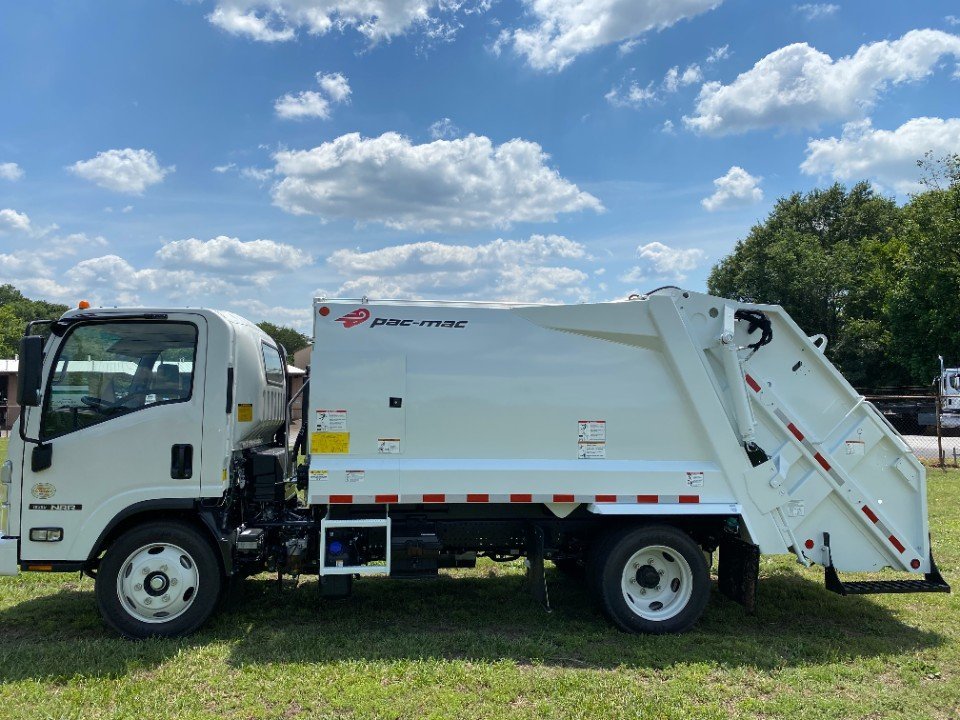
(870,514)
(754,385)
(519,498)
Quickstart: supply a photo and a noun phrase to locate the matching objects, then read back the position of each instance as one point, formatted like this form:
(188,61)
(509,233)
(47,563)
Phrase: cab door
(121,424)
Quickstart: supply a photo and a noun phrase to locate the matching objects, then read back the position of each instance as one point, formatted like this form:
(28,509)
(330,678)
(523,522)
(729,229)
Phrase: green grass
(473,644)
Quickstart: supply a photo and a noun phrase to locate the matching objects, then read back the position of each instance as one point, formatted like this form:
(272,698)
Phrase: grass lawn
(473,644)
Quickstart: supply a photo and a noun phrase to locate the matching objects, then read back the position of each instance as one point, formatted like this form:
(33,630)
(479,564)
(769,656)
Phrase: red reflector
(796,433)
(342,499)
(521,497)
(646,498)
(689,498)
(897,544)
(387,499)
(324,311)
(869,513)
(822,460)
(606,498)
(479,497)
(808,544)
(40,568)
(915,564)
(563,498)
(439,497)
(754,385)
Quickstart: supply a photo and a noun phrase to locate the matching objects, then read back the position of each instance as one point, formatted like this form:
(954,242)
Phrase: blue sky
(248,154)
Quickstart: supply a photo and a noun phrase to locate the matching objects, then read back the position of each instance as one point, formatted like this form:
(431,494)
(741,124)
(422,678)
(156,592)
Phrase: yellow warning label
(245,412)
(330,442)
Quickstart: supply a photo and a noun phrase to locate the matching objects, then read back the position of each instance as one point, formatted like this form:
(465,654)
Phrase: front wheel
(161,579)
(651,579)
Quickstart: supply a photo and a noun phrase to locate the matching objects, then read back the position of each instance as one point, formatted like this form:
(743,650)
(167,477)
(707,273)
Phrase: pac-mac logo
(358,316)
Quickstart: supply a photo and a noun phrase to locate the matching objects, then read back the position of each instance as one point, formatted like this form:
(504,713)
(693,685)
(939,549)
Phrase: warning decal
(354,476)
(591,439)
(244,412)
(331,421)
(331,443)
(695,479)
(855,447)
(320,475)
(388,446)
(592,430)
(592,451)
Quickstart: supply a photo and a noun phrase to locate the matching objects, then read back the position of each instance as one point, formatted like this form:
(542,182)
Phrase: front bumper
(8,556)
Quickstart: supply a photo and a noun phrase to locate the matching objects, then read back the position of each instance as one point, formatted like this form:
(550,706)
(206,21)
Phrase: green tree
(924,308)
(830,258)
(291,340)
(15,312)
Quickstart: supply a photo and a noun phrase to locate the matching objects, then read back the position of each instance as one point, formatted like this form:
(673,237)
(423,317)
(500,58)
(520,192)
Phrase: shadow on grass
(458,618)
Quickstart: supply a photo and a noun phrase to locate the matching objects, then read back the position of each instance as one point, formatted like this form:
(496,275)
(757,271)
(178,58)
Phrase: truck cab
(132,419)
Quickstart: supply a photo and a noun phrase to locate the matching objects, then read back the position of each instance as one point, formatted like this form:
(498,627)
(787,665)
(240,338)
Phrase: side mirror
(31,371)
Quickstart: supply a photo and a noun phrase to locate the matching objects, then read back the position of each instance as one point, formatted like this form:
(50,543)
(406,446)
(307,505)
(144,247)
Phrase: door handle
(181,462)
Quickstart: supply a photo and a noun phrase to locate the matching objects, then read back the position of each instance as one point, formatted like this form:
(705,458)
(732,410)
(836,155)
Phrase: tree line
(880,280)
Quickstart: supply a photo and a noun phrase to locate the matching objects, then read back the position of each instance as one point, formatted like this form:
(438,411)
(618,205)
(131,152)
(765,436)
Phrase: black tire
(199,580)
(683,562)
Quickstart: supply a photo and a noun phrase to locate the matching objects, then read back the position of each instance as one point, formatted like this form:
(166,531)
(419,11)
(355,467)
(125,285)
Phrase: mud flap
(535,572)
(738,570)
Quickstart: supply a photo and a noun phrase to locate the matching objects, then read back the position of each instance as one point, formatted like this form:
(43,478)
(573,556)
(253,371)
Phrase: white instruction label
(695,479)
(354,476)
(592,430)
(592,451)
(855,447)
(320,475)
(388,446)
(150,399)
(331,421)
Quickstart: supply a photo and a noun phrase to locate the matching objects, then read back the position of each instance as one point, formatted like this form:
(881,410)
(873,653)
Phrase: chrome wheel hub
(158,582)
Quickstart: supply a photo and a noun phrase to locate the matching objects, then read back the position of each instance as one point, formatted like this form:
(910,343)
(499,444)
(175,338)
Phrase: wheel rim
(657,582)
(158,582)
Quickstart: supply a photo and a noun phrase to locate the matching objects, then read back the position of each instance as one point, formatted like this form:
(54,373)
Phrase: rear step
(933,581)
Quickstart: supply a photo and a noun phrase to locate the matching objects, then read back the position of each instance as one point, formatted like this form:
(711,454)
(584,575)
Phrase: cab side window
(273,365)
(105,370)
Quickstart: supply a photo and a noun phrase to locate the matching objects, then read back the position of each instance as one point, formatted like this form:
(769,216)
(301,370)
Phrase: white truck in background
(626,440)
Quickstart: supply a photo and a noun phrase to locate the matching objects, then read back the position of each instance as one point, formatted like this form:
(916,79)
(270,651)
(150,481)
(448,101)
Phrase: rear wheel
(158,580)
(651,579)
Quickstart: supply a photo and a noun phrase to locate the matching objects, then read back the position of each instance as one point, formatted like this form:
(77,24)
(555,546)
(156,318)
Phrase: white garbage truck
(626,441)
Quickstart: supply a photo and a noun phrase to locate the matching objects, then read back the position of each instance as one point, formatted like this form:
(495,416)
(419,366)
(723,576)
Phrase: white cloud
(126,171)
(444,129)
(335,85)
(13,221)
(303,105)
(260,175)
(376,20)
(952,20)
(674,78)
(110,279)
(735,189)
(662,262)
(334,88)
(10,171)
(667,128)
(718,54)
(537,269)
(635,95)
(224,168)
(565,29)
(443,185)
(798,86)
(816,11)
(231,256)
(888,157)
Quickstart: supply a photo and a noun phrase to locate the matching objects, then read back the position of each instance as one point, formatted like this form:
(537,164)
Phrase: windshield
(106,370)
